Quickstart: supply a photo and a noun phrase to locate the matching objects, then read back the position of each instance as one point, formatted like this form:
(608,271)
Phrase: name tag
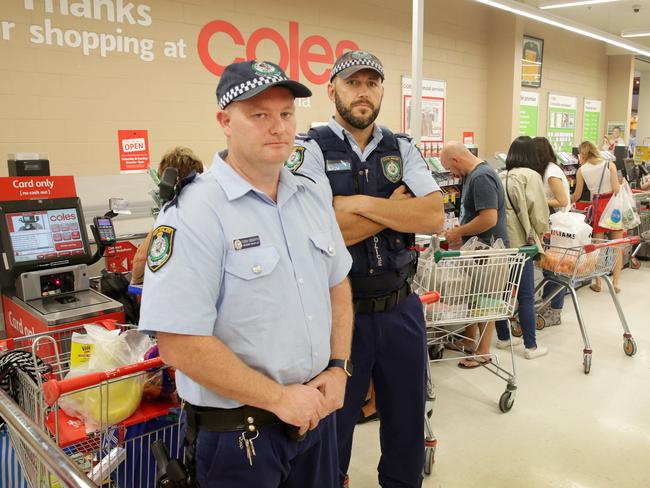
(246,242)
(338,165)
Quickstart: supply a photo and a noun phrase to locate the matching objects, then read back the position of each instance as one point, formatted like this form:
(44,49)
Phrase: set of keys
(246,439)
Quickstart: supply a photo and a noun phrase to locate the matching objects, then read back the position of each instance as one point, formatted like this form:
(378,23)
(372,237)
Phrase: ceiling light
(546,18)
(636,33)
(546,6)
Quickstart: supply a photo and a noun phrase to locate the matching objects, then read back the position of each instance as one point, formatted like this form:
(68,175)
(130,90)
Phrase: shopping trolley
(470,287)
(571,267)
(642,201)
(117,454)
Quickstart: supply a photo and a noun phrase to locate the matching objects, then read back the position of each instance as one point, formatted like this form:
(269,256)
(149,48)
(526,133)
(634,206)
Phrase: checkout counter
(45,254)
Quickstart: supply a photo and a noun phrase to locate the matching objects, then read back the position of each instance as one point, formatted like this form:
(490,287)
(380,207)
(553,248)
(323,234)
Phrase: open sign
(132,145)
(134,150)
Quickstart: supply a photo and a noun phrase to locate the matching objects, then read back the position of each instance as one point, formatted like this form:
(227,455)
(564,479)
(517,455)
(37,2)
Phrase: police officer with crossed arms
(247,293)
(382,192)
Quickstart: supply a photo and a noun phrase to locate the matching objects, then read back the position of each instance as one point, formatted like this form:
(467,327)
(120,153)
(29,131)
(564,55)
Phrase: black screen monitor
(620,153)
(575,151)
(39,234)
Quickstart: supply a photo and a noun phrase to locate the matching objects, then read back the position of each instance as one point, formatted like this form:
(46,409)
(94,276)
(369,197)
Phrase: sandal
(595,287)
(473,363)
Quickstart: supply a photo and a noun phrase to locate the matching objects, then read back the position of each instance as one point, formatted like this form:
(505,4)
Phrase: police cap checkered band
(241,81)
(352,61)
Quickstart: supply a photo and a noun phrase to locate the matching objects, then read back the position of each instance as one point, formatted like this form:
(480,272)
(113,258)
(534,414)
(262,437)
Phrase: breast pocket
(251,286)
(323,251)
(253,263)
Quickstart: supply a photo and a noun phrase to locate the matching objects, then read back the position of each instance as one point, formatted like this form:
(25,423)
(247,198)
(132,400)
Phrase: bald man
(482,214)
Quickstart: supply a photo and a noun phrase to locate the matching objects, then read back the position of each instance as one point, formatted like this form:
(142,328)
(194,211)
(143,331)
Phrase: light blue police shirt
(416,172)
(250,271)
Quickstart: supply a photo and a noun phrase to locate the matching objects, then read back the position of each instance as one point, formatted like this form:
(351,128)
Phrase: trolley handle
(53,389)
(430,297)
(531,251)
(615,242)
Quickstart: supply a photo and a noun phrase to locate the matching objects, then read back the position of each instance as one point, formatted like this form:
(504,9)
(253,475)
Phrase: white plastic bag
(631,218)
(619,214)
(103,405)
(569,229)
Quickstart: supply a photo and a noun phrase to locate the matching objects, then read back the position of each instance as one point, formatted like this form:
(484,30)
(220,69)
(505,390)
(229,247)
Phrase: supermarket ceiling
(615,17)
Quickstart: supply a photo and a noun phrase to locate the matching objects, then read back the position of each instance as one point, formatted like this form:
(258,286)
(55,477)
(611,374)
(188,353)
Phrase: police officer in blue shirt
(247,292)
(382,193)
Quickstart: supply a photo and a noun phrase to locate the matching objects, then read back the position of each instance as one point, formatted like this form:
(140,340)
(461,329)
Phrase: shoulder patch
(392,168)
(296,159)
(161,247)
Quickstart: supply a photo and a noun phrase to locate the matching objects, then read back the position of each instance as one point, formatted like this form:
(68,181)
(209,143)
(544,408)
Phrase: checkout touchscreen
(43,235)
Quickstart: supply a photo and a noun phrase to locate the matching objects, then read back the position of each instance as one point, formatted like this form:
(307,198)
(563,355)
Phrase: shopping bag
(631,218)
(619,214)
(11,473)
(569,229)
(104,405)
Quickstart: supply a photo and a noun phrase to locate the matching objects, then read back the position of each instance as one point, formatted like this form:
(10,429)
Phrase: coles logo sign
(311,57)
(63,217)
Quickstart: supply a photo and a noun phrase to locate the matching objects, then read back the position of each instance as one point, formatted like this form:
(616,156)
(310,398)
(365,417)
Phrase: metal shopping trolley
(571,267)
(118,454)
(643,231)
(470,287)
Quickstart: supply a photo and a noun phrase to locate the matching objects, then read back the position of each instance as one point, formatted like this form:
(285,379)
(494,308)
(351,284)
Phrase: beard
(357,122)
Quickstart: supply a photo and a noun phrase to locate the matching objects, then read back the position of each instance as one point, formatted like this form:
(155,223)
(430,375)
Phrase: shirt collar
(340,131)
(234,186)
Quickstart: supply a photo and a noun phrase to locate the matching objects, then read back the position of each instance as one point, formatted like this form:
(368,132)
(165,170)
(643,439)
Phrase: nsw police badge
(265,69)
(160,249)
(296,159)
(392,168)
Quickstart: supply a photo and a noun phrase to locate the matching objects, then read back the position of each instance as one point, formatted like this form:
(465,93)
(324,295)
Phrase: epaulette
(303,137)
(189,179)
(403,135)
(305,176)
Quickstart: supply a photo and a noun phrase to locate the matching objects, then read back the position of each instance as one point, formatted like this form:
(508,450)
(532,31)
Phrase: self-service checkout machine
(45,254)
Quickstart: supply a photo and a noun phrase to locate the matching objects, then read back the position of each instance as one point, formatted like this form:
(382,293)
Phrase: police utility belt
(242,419)
(383,303)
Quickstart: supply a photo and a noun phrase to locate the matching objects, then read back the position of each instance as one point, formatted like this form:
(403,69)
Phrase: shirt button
(371,271)
(360,173)
(330,250)
(310,317)
(300,280)
(257,269)
(315,354)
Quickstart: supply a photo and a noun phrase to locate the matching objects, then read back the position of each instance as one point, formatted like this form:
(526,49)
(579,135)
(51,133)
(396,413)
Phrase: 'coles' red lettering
(294,57)
(60,217)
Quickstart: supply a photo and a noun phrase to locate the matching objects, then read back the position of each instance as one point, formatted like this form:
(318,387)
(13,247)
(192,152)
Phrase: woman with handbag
(601,178)
(558,199)
(527,217)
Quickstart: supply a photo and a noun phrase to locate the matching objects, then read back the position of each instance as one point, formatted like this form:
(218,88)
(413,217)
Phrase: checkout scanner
(44,257)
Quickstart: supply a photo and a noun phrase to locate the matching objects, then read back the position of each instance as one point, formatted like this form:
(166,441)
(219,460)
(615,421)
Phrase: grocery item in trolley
(569,229)
(118,400)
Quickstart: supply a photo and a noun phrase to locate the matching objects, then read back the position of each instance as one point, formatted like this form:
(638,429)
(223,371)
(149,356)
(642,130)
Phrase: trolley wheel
(436,352)
(586,363)
(506,401)
(635,264)
(540,322)
(515,329)
(429,459)
(629,346)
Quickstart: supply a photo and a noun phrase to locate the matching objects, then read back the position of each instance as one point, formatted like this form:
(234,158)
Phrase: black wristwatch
(345,364)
